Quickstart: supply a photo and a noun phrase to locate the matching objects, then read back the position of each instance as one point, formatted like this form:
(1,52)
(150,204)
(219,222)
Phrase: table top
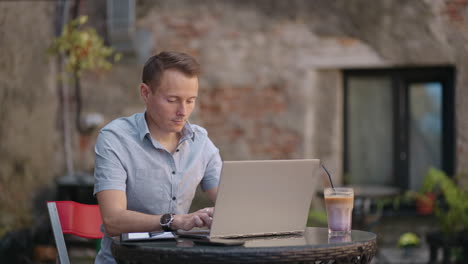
(313,245)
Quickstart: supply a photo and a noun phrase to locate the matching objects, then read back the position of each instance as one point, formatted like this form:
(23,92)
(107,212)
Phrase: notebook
(143,236)
(261,198)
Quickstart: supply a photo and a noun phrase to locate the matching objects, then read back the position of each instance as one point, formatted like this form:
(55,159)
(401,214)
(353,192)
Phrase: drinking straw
(329,177)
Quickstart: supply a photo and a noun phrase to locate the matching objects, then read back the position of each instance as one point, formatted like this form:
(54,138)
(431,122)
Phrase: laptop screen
(269,197)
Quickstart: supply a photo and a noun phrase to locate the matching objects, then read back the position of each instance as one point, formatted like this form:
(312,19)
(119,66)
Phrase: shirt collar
(143,130)
(187,132)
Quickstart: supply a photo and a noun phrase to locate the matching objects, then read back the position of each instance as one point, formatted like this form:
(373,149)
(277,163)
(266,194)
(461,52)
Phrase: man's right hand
(200,218)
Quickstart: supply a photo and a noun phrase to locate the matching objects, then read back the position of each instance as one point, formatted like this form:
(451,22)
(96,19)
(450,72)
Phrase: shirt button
(173,198)
(177,150)
(173,172)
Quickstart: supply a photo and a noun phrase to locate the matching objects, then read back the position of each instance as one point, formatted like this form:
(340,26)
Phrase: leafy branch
(84,50)
(451,211)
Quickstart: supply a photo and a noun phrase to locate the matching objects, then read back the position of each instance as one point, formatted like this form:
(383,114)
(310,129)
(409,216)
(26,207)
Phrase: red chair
(68,217)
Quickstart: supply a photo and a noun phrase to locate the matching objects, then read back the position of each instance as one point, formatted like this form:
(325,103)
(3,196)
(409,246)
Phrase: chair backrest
(68,217)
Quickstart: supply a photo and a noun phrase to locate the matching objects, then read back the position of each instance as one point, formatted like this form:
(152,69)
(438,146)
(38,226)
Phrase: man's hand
(200,218)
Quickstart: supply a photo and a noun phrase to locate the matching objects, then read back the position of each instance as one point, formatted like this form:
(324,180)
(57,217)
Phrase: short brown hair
(157,64)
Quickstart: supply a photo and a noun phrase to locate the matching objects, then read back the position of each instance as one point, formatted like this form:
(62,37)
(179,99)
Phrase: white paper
(163,235)
(148,235)
(138,235)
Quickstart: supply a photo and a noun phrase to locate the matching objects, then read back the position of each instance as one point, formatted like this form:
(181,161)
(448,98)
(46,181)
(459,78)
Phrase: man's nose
(182,109)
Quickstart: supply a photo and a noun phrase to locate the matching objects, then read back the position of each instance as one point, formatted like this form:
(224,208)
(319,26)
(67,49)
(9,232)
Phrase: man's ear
(145,91)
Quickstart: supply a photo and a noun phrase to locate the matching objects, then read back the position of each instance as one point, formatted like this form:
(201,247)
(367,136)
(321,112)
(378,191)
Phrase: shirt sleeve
(213,169)
(109,172)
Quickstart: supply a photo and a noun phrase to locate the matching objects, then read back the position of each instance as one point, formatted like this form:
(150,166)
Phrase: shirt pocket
(151,190)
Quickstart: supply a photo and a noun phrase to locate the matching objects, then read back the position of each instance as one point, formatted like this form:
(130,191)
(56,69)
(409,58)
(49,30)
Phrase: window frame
(400,79)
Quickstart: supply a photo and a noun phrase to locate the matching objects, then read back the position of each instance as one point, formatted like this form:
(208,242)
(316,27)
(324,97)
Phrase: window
(398,123)
(120,23)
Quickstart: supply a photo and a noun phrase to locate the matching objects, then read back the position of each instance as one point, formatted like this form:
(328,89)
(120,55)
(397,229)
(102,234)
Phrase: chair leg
(58,234)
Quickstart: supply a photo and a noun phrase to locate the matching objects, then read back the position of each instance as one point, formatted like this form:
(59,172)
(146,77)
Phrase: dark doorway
(398,124)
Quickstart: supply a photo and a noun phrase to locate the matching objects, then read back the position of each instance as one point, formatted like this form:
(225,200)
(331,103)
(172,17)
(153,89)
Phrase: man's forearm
(117,219)
(211,193)
(130,221)
(126,221)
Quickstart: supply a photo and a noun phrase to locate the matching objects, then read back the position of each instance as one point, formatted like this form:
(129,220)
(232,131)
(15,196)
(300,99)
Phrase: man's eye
(191,101)
(171,100)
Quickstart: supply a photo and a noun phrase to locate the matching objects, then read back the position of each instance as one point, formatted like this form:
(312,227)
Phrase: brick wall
(454,14)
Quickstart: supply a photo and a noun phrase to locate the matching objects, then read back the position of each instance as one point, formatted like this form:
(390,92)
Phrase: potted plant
(421,201)
(407,242)
(425,203)
(451,212)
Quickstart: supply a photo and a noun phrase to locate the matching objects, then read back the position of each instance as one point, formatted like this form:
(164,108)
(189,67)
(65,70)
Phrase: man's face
(169,106)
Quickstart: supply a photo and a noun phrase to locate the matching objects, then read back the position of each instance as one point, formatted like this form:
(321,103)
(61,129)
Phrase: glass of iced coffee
(339,204)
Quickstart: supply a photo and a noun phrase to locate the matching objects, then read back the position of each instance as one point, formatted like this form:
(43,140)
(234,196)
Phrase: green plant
(84,50)
(317,218)
(83,47)
(451,210)
(409,197)
(409,240)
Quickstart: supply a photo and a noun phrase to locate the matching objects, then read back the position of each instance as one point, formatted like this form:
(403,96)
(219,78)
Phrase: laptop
(261,198)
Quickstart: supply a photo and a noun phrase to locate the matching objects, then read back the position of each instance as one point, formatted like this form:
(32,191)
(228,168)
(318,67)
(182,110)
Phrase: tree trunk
(64,99)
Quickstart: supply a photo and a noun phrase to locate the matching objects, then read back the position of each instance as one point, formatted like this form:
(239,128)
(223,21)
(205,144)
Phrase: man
(149,165)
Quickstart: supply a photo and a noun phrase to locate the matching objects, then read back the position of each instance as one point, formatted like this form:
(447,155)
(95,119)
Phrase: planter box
(437,240)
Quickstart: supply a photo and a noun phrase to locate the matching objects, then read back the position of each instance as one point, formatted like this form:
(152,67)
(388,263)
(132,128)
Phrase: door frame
(400,79)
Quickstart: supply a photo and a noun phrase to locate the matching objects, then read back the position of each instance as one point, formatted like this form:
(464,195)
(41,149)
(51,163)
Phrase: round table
(313,246)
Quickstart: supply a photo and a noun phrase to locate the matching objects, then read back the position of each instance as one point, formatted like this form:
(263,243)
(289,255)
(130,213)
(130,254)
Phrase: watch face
(165,219)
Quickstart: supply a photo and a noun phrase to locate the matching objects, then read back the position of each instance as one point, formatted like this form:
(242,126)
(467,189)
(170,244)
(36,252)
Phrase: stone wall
(29,135)
(454,16)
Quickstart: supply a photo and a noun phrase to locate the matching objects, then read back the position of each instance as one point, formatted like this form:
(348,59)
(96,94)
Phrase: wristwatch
(166,222)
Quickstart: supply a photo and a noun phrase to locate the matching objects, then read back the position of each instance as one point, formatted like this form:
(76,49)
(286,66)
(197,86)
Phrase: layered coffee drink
(339,204)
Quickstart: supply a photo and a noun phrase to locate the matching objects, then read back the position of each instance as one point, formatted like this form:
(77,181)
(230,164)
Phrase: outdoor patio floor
(390,228)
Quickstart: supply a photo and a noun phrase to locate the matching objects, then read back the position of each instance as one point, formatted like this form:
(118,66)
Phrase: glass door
(425,130)
(370,130)
(397,124)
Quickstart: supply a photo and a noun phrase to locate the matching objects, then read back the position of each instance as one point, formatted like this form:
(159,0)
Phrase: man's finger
(210,211)
(206,219)
(197,221)
(207,210)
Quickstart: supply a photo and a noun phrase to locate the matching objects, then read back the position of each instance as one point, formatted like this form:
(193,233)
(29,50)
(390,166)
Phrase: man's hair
(157,64)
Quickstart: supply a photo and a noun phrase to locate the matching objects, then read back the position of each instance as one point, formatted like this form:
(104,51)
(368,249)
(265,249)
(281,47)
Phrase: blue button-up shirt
(154,180)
